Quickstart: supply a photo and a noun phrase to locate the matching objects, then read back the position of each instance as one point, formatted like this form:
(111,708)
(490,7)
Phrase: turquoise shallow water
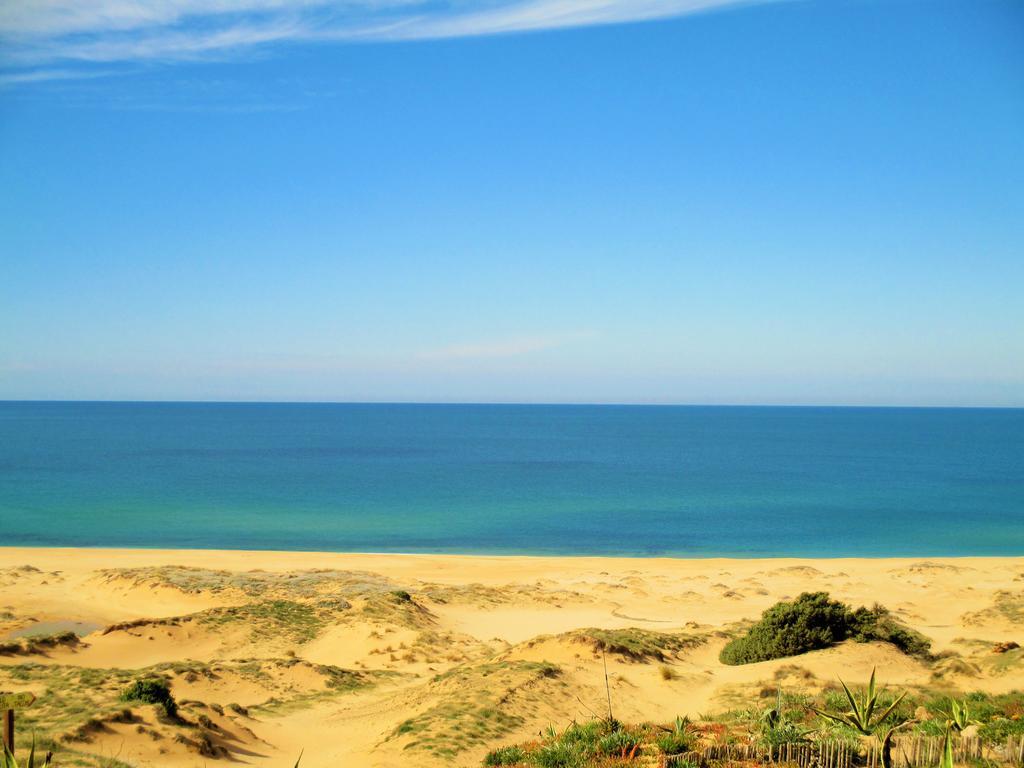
(615,480)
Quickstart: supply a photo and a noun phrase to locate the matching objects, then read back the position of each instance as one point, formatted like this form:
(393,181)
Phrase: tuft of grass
(298,622)
(1006,605)
(581,745)
(297,584)
(638,644)
(504,756)
(476,704)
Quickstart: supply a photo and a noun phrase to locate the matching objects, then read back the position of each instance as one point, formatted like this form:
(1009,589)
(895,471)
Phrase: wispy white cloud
(41,75)
(533,15)
(37,34)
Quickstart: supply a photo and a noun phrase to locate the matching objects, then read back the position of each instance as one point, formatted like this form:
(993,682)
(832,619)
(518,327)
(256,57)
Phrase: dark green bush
(787,629)
(814,621)
(152,691)
(878,624)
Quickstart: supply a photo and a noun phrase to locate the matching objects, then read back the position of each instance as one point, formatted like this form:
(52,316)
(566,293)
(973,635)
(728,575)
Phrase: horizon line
(511,403)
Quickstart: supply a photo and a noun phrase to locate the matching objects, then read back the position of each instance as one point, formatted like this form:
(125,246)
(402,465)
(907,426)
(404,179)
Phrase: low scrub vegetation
(815,621)
(469,706)
(859,721)
(152,691)
(638,644)
(38,644)
(594,744)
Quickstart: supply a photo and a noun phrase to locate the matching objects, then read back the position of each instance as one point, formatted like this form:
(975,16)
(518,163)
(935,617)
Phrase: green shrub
(810,622)
(814,621)
(152,691)
(505,756)
(878,624)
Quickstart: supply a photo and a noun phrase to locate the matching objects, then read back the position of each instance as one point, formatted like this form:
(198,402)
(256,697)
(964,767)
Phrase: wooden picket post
(9,730)
(9,702)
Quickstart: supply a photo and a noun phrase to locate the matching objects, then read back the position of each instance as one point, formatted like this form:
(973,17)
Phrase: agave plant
(10,761)
(959,716)
(866,716)
(957,720)
(777,728)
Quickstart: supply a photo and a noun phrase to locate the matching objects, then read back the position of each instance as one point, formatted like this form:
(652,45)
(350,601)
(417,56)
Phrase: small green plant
(958,718)
(511,755)
(619,743)
(866,716)
(10,761)
(561,754)
(675,740)
(777,728)
(581,745)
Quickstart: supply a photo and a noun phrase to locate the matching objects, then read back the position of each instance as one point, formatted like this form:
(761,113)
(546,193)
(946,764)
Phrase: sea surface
(516,479)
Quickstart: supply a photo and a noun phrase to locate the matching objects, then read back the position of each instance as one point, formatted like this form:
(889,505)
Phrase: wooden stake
(607,687)
(9,729)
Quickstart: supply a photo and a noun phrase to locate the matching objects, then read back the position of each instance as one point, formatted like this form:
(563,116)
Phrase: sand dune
(371,659)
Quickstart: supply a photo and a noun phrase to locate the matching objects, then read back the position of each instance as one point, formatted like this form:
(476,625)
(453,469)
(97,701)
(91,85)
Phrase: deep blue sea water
(615,480)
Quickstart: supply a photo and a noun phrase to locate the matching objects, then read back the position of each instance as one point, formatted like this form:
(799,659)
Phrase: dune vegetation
(838,727)
(815,621)
(394,661)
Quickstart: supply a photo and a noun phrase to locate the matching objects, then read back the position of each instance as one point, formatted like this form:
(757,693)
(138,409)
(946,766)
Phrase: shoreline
(199,552)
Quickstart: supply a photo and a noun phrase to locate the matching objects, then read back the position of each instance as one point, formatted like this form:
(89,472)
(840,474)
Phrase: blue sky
(808,201)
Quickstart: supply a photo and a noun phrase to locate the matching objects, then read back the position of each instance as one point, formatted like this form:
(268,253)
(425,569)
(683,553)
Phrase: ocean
(514,479)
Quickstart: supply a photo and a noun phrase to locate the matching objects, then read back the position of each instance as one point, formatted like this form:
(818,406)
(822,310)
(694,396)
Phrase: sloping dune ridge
(398,660)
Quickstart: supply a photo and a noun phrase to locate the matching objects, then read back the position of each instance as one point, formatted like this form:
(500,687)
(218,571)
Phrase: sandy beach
(380,660)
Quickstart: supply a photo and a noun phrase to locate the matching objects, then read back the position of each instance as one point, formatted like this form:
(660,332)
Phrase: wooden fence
(907,752)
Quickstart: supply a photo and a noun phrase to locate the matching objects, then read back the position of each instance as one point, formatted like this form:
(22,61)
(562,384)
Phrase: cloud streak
(44,39)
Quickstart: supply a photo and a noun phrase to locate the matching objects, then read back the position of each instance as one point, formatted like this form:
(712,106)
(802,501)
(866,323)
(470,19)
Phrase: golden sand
(323,652)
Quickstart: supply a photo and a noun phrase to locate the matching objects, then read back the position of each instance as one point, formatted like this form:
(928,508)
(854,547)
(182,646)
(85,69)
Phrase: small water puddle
(80,628)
